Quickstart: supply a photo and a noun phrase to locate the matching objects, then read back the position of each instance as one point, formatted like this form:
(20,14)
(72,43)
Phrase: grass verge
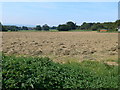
(36,73)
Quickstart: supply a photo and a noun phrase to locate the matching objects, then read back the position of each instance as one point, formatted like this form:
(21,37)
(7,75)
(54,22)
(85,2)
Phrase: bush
(45,27)
(36,73)
(63,27)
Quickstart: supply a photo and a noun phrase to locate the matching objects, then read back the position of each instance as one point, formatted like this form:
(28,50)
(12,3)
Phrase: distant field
(55,30)
(27,31)
(63,46)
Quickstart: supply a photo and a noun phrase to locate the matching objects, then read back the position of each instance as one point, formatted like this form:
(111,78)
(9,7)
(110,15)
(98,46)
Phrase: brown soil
(61,46)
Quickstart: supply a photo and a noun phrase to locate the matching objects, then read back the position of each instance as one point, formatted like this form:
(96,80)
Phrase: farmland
(57,45)
(59,60)
(62,46)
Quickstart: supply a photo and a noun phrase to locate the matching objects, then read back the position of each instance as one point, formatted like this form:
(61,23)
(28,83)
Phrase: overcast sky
(54,13)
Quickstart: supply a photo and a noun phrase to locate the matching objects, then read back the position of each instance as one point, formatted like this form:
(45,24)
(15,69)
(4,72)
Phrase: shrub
(36,73)
(63,27)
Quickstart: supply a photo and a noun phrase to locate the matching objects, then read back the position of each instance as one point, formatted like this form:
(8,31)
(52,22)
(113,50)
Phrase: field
(85,60)
(63,46)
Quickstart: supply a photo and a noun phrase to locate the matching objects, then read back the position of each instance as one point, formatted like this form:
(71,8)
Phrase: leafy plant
(36,73)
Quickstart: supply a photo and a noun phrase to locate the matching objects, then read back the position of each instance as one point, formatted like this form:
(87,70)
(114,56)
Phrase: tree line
(110,26)
(16,28)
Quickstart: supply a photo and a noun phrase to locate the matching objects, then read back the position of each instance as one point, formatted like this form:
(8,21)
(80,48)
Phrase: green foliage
(110,26)
(63,27)
(24,28)
(27,73)
(10,28)
(117,23)
(38,27)
(72,26)
(45,27)
(53,27)
(66,27)
(0,26)
(86,26)
(4,29)
(96,27)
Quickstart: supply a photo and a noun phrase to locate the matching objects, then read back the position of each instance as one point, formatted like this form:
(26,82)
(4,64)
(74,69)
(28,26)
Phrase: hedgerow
(41,73)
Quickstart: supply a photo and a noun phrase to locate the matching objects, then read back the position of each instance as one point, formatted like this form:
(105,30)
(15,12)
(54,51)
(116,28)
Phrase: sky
(59,0)
(55,13)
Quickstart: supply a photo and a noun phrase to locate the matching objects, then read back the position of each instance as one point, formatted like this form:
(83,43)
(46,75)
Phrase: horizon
(47,24)
(55,13)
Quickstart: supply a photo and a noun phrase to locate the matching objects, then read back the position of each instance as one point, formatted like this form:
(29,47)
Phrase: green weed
(36,73)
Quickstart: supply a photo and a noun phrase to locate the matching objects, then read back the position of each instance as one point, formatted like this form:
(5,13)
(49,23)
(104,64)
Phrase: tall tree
(97,26)
(24,28)
(53,27)
(4,28)
(45,27)
(86,26)
(0,26)
(117,23)
(38,27)
(63,27)
(71,25)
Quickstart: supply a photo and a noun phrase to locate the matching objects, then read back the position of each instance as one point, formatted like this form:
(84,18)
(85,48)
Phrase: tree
(86,26)
(97,26)
(24,28)
(45,27)
(13,28)
(71,25)
(53,27)
(0,26)
(38,27)
(77,27)
(63,27)
(117,23)
(94,27)
(19,28)
(4,28)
